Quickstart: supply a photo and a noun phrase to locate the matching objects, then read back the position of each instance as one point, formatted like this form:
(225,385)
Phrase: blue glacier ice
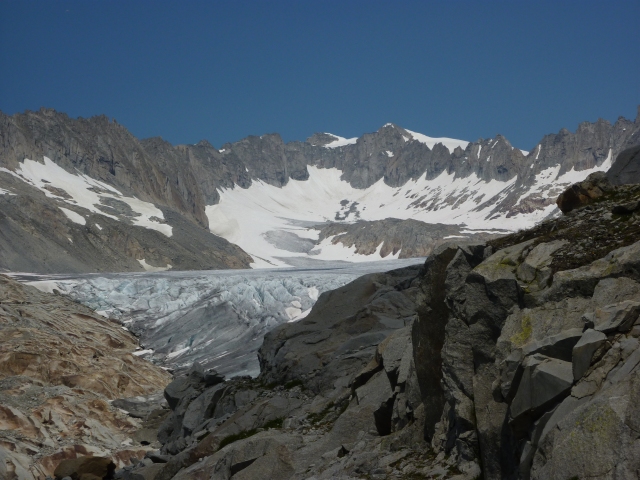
(217,318)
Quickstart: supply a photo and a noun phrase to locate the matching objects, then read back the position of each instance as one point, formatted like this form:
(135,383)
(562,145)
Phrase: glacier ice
(217,318)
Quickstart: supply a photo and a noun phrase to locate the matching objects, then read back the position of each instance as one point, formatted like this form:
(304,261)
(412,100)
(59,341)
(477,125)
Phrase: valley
(355,315)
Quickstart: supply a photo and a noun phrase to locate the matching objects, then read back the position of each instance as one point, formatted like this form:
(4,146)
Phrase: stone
(536,265)
(60,365)
(511,372)
(148,472)
(340,335)
(618,317)
(157,457)
(265,455)
(544,380)
(582,281)
(626,168)
(623,372)
(583,351)
(212,377)
(392,351)
(594,438)
(626,208)
(201,408)
(375,391)
(583,193)
(184,385)
(97,467)
(558,346)
(141,406)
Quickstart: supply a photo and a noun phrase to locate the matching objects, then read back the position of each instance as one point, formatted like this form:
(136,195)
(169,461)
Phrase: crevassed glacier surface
(217,317)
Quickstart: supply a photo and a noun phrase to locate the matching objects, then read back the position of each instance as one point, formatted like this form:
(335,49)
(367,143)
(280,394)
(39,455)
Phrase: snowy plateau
(278,226)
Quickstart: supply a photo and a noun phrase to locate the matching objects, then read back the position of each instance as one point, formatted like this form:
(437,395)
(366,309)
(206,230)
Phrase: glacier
(218,317)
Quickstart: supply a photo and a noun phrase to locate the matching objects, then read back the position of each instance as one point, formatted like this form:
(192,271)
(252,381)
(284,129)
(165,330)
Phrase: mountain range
(85,195)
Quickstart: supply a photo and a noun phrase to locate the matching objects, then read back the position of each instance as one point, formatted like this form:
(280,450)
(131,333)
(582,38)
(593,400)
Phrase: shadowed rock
(626,168)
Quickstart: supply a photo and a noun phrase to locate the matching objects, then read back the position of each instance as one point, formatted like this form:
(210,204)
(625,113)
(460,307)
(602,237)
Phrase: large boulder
(611,318)
(340,335)
(543,380)
(86,468)
(583,351)
(626,168)
(585,192)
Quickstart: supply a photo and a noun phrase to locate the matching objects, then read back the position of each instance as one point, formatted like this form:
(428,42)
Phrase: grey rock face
(558,346)
(341,333)
(583,351)
(611,318)
(411,238)
(537,264)
(141,406)
(543,380)
(39,237)
(626,168)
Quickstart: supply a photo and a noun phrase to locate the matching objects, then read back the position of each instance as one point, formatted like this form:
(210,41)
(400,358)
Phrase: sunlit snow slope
(84,191)
(275,225)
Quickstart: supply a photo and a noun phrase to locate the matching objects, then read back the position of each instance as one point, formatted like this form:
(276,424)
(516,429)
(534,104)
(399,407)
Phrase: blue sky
(220,71)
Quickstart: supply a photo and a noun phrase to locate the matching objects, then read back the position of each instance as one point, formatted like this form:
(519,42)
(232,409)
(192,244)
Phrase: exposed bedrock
(516,359)
(36,236)
(61,366)
(405,238)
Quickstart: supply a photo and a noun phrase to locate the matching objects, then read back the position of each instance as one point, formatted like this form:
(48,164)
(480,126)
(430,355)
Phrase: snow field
(86,192)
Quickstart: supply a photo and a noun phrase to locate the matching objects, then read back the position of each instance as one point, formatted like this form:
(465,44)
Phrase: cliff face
(100,201)
(519,358)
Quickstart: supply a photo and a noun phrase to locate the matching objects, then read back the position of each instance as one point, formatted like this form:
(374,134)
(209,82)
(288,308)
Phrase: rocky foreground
(513,359)
(61,365)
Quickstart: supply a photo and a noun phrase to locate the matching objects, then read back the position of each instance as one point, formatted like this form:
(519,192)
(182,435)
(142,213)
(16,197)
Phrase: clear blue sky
(220,71)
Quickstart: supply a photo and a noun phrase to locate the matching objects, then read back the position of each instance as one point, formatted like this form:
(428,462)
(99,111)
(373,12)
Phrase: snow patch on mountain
(450,143)
(249,217)
(340,141)
(550,183)
(73,216)
(151,268)
(86,192)
(276,224)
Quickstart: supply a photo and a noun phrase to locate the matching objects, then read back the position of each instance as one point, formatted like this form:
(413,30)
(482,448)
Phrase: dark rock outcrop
(584,193)
(86,468)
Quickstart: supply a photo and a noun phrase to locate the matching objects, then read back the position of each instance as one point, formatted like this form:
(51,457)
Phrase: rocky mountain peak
(205,144)
(321,139)
(487,179)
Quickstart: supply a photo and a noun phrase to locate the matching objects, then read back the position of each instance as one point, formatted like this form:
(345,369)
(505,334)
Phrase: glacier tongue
(217,318)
